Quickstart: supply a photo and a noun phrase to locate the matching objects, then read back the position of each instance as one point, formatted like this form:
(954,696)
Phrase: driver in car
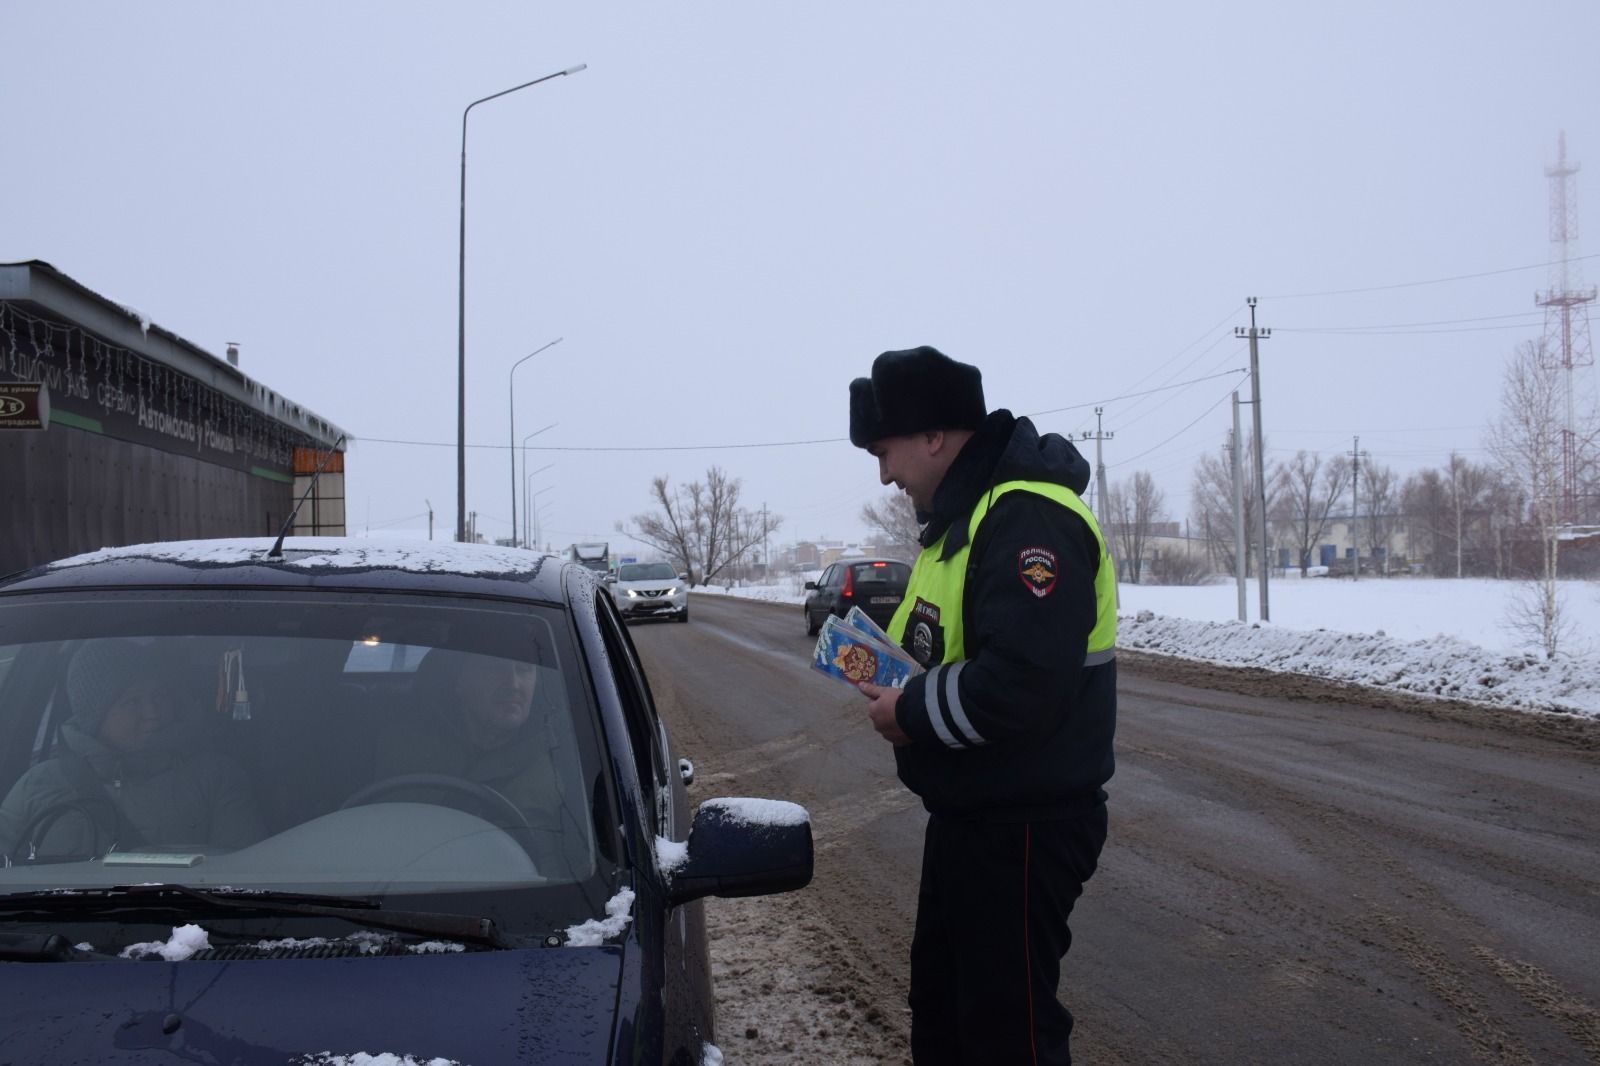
(484,720)
(130,772)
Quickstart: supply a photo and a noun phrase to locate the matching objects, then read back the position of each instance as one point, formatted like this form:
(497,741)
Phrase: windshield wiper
(163,899)
(44,947)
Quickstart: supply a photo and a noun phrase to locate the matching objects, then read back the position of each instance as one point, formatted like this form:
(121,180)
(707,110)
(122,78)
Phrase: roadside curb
(743,599)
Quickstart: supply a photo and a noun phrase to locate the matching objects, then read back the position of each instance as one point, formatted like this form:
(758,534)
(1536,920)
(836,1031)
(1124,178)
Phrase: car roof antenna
(288,523)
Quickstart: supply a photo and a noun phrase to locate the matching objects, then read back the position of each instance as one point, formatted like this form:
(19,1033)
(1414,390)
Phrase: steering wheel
(40,824)
(471,797)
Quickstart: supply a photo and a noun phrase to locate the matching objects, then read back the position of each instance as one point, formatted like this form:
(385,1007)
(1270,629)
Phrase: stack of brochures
(854,649)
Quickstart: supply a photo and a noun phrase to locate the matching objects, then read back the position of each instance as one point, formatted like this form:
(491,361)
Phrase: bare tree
(1422,500)
(1483,504)
(1527,444)
(1307,489)
(700,526)
(743,541)
(1456,516)
(1211,505)
(1134,507)
(894,520)
(1178,567)
(1378,498)
(675,528)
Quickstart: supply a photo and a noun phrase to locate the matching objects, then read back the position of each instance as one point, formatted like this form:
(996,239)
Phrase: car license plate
(884,599)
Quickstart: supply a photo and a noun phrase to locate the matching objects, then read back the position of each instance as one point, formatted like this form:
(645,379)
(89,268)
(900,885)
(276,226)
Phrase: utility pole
(1356,455)
(1099,435)
(1255,335)
(430,519)
(1455,498)
(766,548)
(1235,445)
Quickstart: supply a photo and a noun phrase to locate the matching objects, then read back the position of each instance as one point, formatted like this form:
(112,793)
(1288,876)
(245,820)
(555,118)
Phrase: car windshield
(646,572)
(364,745)
(880,573)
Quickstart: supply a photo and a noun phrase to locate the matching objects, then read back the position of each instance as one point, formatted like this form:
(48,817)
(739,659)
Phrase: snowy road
(1305,880)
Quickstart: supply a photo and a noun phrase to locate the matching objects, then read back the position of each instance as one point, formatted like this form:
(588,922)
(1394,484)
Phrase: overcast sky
(738,205)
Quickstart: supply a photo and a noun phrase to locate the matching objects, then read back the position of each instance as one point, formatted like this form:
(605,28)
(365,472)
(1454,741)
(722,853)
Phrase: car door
(834,591)
(685,963)
(817,601)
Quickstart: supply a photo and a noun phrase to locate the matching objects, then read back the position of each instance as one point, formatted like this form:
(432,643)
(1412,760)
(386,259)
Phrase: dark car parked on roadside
(875,585)
(351,798)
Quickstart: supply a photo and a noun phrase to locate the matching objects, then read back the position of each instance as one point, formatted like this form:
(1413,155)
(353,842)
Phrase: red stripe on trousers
(1027,956)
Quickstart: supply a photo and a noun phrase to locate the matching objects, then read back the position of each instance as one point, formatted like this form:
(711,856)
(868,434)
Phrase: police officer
(1006,738)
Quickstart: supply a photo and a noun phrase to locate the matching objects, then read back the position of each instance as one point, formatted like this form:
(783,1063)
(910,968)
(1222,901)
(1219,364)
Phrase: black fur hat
(914,390)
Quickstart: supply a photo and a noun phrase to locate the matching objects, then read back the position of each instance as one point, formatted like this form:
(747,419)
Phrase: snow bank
(1429,636)
(1443,666)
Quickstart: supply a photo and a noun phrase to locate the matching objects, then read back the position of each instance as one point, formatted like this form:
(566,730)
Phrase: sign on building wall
(106,389)
(322,513)
(24,406)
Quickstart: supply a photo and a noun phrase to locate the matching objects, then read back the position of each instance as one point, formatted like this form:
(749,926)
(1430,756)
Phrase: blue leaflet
(859,618)
(853,656)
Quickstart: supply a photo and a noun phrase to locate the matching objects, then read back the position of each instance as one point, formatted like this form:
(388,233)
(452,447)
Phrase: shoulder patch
(1037,569)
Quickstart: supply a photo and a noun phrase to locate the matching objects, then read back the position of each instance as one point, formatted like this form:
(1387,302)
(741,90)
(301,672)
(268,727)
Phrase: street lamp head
(576,69)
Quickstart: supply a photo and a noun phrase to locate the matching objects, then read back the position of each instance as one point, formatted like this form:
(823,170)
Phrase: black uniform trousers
(991,933)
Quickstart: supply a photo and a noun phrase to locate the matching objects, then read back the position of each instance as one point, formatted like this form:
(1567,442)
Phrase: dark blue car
(351,798)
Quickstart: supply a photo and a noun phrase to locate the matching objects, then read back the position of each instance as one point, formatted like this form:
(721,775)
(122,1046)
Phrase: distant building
(115,431)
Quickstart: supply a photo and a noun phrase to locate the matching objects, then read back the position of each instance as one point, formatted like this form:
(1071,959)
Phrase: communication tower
(1566,321)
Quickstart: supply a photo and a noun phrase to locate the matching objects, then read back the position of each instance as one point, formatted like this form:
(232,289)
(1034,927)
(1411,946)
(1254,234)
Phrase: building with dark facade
(115,431)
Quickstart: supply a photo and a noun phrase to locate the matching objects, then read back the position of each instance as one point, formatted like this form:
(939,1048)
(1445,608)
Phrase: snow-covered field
(1427,636)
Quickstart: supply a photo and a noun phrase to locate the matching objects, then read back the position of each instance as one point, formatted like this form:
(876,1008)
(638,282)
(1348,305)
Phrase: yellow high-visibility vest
(941,583)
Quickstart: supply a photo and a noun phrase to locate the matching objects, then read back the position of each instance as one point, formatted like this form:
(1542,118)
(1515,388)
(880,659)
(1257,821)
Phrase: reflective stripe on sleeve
(934,700)
(961,733)
(1100,658)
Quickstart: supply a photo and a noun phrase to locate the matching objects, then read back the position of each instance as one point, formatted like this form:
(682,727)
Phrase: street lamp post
(525,440)
(511,380)
(538,514)
(533,512)
(527,494)
(461,308)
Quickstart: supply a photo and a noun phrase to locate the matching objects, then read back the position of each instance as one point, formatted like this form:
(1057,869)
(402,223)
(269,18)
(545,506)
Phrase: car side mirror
(683,577)
(810,585)
(744,847)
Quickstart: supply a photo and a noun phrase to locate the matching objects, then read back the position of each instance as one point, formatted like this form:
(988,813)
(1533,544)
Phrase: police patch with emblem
(924,635)
(1037,568)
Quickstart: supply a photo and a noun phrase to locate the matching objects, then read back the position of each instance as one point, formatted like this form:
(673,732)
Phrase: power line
(1146,392)
(1180,352)
(1131,419)
(1359,332)
(1411,325)
(685,447)
(1430,281)
(1180,432)
(646,448)
(759,444)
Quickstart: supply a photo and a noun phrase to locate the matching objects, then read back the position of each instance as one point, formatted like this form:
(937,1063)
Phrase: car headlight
(673,591)
(632,593)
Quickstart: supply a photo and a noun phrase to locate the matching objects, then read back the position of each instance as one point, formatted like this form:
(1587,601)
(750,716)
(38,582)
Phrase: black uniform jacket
(1044,722)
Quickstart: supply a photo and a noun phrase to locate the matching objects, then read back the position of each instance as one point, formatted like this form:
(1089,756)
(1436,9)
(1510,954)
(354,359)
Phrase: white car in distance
(650,590)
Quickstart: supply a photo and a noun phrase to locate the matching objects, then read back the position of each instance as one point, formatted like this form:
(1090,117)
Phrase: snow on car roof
(334,553)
